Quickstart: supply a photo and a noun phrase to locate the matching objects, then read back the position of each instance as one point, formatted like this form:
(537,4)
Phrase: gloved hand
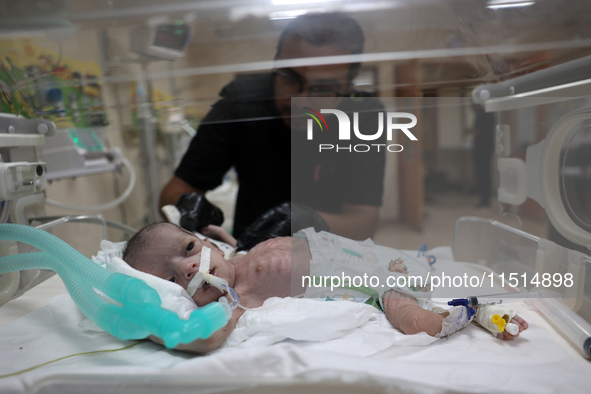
(197,212)
(282,220)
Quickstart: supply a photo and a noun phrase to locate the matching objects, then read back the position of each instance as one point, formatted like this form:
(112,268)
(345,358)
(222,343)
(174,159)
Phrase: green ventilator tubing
(135,311)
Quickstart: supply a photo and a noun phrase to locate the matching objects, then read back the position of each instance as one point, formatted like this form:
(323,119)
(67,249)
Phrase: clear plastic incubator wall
(100,100)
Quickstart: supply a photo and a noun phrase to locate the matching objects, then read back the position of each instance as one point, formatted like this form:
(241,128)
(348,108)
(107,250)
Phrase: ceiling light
(498,4)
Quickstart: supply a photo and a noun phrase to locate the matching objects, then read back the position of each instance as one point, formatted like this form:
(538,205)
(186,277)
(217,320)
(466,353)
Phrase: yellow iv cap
(499,321)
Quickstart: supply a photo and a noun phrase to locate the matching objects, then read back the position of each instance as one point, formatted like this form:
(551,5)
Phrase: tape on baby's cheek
(199,278)
(204,276)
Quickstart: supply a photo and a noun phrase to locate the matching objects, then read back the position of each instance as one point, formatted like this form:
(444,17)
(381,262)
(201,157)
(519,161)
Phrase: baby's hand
(517,320)
(219,234)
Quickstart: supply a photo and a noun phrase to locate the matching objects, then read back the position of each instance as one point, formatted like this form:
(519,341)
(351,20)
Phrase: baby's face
(175,255)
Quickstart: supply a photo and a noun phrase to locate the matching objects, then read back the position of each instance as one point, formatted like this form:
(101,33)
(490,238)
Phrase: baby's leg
(405,314)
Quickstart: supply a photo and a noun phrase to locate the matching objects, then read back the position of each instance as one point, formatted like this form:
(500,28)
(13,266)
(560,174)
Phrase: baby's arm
(213,342)
(219,234)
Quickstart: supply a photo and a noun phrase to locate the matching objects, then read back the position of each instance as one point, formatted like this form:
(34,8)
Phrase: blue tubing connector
(464,302)
(136,311)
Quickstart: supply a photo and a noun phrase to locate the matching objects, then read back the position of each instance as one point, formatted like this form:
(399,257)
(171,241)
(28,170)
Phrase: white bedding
(363,349)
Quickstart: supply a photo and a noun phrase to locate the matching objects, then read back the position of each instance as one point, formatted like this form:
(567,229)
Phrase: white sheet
(369,351)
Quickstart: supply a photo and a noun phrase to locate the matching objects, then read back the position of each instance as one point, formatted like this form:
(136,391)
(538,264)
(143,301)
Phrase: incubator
(100,101)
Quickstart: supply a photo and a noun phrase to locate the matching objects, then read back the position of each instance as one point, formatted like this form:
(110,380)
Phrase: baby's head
(135,250)
(172,253)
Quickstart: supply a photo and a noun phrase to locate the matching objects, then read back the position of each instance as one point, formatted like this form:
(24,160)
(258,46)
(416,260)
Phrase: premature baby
(275,268)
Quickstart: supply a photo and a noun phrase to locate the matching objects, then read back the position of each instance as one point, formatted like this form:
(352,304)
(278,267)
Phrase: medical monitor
(165,41)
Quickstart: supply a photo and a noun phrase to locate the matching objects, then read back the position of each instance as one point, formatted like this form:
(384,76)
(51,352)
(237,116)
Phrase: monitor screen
(171,36)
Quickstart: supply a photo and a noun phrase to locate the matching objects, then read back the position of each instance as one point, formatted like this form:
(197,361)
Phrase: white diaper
(373,269)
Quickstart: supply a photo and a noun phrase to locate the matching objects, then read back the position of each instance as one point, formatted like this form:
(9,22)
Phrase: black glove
(304,216)
(197,212)
(282,220)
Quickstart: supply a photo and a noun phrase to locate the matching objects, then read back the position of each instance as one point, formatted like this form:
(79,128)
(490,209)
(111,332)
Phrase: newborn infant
(276,268)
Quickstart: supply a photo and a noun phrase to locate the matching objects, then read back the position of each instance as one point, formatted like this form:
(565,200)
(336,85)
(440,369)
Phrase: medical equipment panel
(77,152)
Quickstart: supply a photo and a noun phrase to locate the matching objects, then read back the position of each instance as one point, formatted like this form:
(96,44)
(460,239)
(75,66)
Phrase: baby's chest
(267,279)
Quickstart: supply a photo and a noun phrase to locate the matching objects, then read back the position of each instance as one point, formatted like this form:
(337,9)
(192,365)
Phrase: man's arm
(219,234)
(357,222)
(174,189)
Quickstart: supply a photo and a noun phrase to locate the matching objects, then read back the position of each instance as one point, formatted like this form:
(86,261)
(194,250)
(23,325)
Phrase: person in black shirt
(250,129)
(482,154)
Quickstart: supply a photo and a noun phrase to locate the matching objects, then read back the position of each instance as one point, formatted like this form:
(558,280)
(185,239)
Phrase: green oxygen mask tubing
(136,312)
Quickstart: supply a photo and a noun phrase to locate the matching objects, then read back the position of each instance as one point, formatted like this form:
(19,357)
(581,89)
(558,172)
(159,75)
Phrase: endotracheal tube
(203,276)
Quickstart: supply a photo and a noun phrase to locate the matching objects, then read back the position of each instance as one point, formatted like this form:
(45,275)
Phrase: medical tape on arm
(457,319)
(203,274)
